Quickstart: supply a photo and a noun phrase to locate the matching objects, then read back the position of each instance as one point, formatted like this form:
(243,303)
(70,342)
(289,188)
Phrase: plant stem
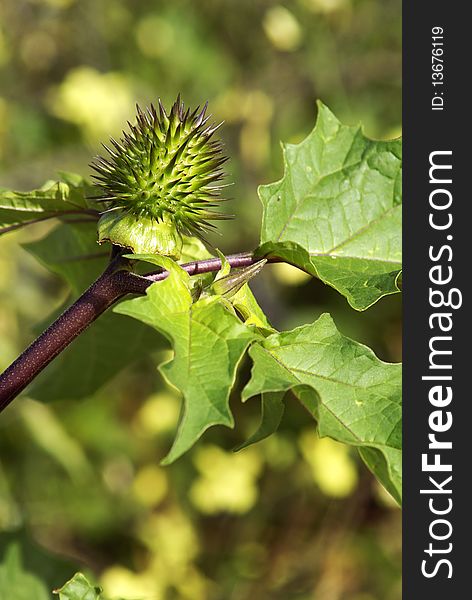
(106,290)
(208,265)
(112,285)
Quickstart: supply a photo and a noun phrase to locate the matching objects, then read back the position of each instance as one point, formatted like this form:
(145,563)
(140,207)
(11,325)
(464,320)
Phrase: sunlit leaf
(208,341)
(354,397)
(79,588)
(72,252)
(68,197)
(336,213)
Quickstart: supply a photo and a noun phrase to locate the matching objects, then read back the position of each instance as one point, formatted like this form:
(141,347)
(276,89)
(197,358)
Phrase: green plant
(335,214)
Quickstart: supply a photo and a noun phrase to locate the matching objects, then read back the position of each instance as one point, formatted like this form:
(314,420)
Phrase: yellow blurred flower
(254,143)
(192,585)
(279,452)
(227,480)
(331,466)
(56,3)
(171,536)
(172,546)
(257,106)
(99,103)
(327,6)
(119,582)
(282,29)
(150,485)
(159,414)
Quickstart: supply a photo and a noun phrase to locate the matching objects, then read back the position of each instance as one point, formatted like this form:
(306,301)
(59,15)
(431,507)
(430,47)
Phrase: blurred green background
(293,517)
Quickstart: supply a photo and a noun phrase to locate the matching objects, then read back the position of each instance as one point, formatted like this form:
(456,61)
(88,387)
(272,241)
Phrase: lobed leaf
(71,251)
(54,199)
(208,341)
(336,213)
(354,397)
(247,306)
(79,588)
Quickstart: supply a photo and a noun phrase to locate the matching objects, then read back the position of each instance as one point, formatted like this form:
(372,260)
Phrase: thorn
(117,145)
(111,209)
(199,120)
(110,151)
(162,110)
(194,114)
(153,112)
(209,131)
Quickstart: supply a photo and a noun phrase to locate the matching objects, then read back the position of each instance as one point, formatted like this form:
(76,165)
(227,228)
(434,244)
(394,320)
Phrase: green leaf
(247,306)
(15,582)
(272,411)
(208,341)
(79,588)
(336,213)
(354,397)
(387,468)
(54,199)
(72,252)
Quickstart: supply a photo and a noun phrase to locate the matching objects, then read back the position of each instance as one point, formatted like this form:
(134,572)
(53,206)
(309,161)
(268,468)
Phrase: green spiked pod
(160,181)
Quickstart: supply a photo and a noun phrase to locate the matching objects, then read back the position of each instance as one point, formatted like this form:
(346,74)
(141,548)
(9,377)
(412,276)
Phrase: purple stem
(209,265)
(112,285)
